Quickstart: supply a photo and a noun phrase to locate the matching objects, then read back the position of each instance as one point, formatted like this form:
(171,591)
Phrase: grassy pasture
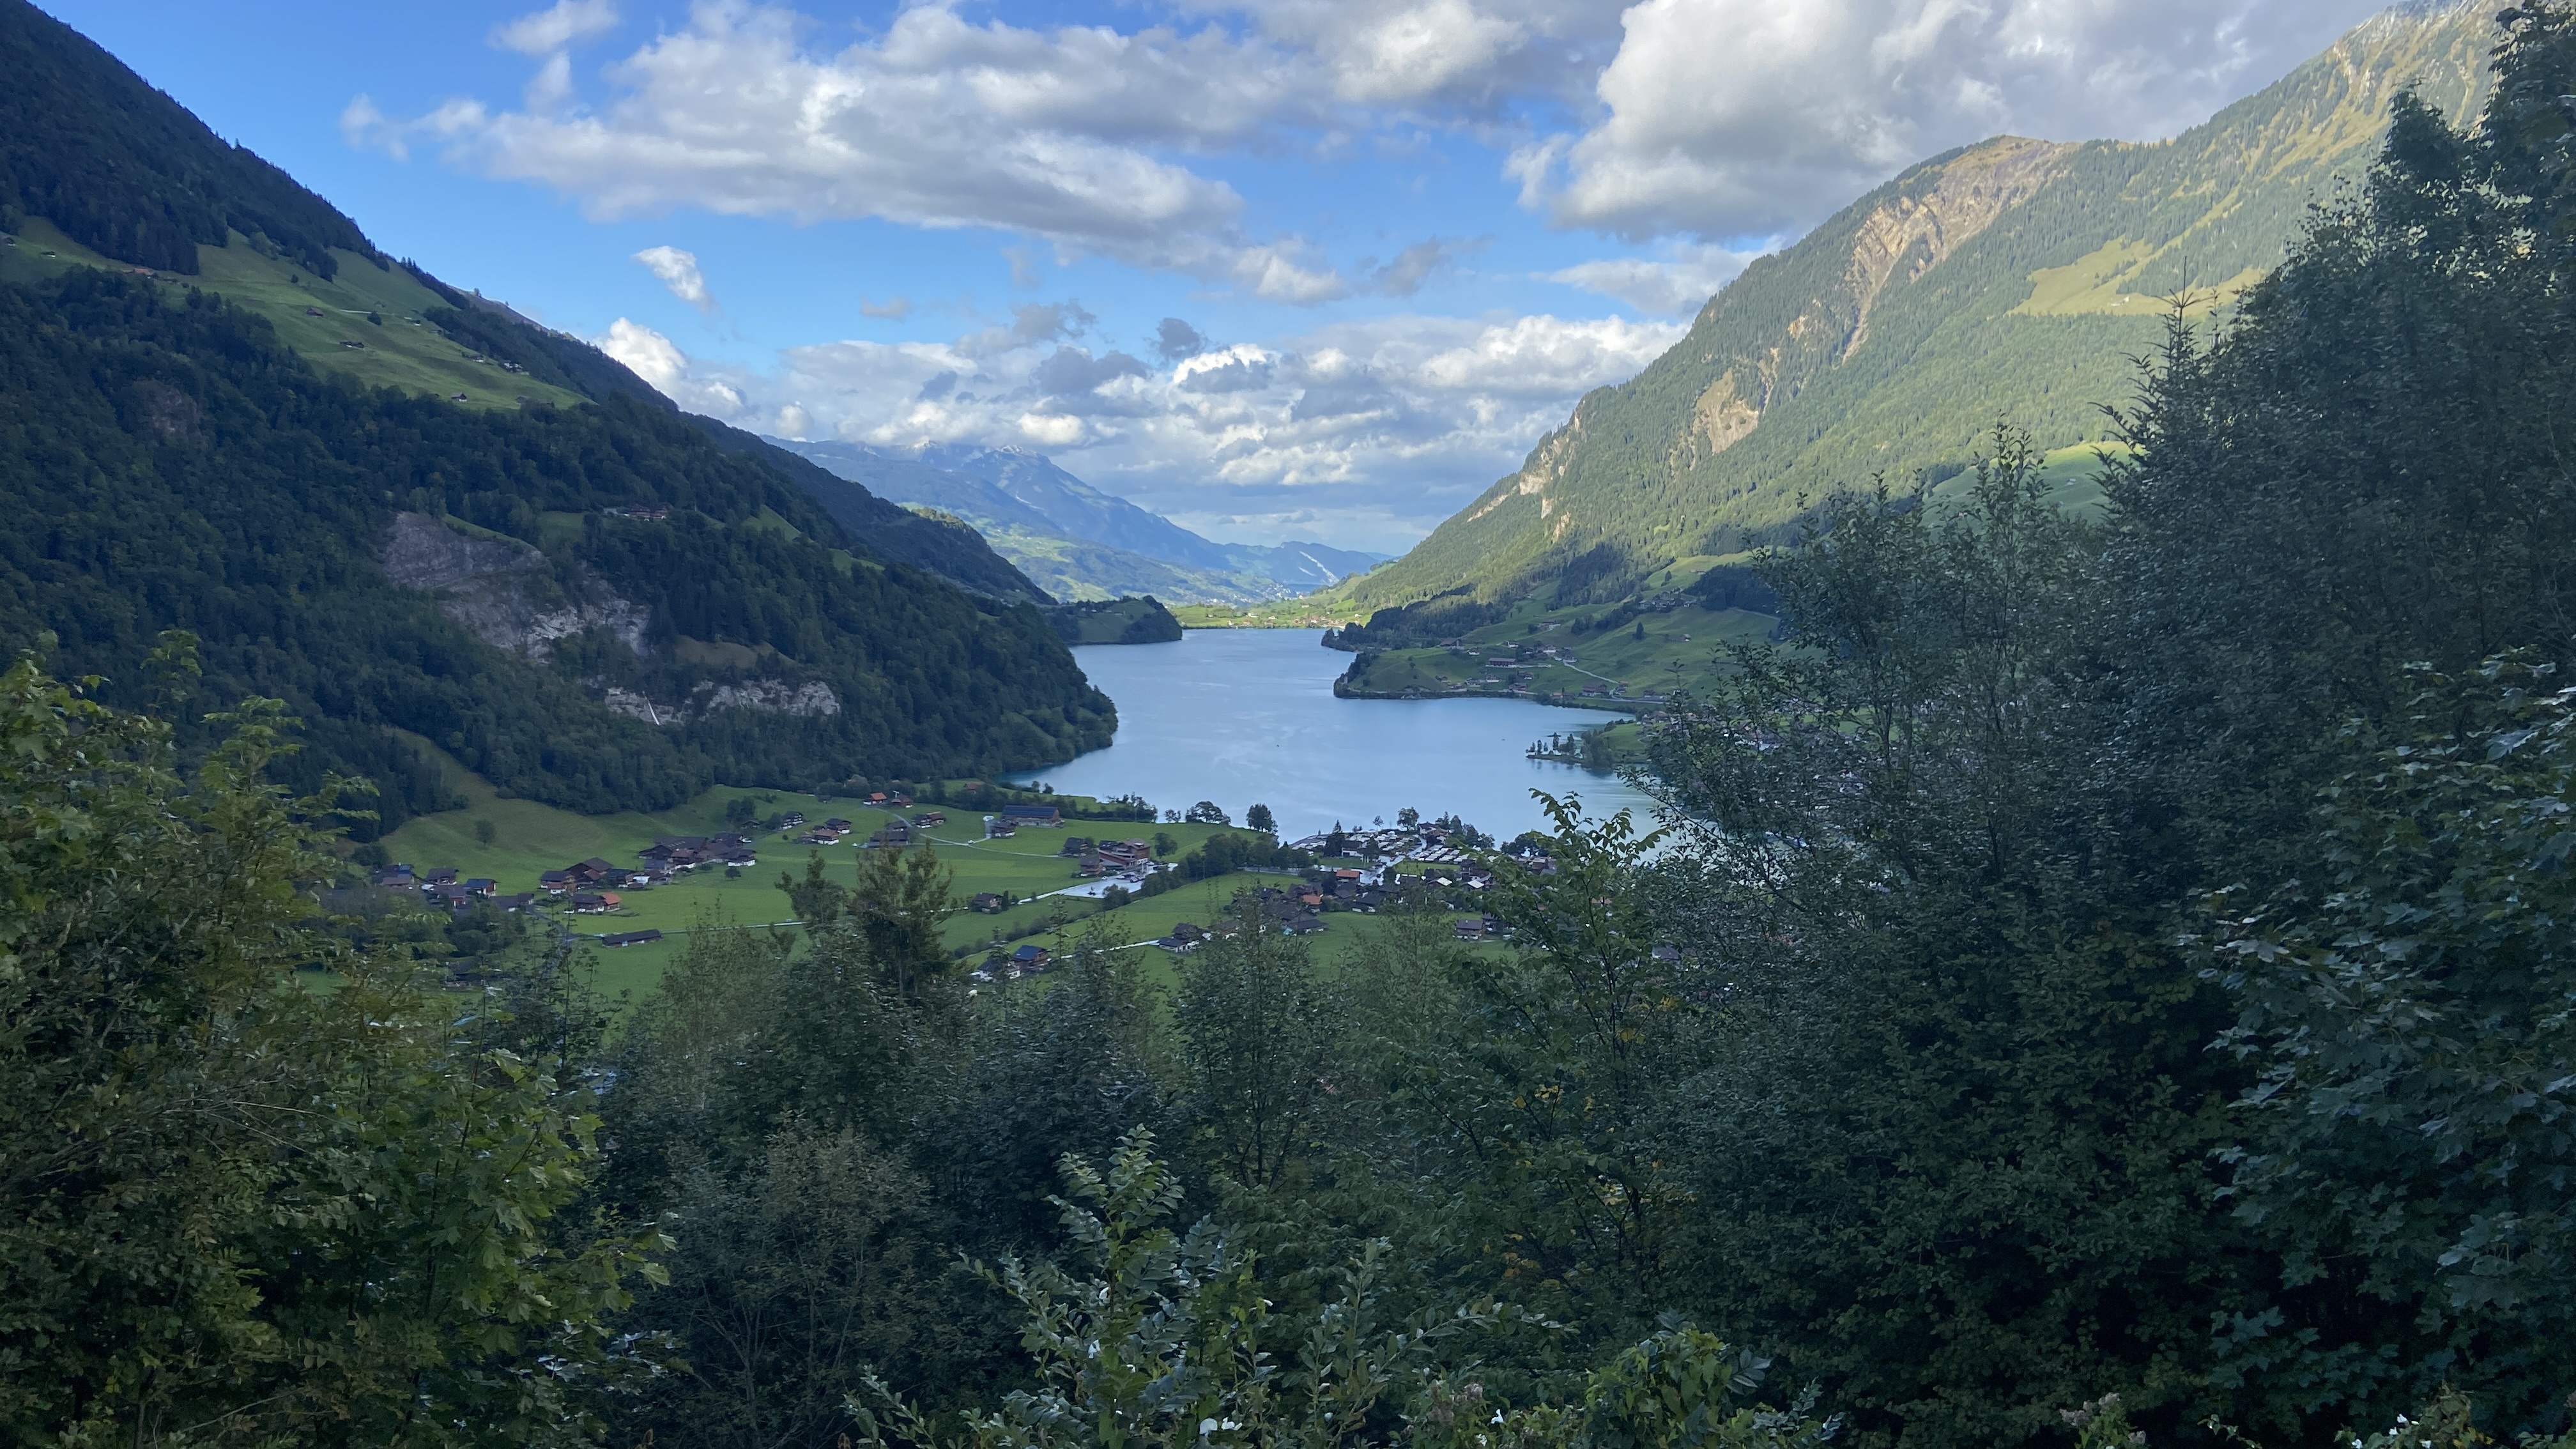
(398,351)
(528,838)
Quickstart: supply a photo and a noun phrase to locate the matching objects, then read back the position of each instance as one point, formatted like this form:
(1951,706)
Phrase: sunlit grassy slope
(2014,281)
(317,318)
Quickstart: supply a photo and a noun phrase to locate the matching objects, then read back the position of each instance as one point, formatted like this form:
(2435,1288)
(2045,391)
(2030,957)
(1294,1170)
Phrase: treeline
(1224,855)
(175,467)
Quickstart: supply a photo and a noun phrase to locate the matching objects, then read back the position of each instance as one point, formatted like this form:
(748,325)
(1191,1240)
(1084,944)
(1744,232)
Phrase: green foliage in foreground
(235,1210)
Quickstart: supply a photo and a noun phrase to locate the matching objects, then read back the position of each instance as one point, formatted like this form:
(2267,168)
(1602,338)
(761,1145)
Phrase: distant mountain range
(2015,279)
(1076,541)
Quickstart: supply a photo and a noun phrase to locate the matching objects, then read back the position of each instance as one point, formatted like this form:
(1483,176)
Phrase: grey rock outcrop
(771,696)
(501,590)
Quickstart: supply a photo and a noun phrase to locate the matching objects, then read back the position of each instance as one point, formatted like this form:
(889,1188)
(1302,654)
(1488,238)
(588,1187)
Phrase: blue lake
(1240,716)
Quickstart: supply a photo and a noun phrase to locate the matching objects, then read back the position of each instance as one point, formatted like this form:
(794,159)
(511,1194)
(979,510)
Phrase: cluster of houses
(442,890)
(1014,818)
(898,834)
(587,883)
(1426,844)
(1131,860)
(1029,960)
(829,832)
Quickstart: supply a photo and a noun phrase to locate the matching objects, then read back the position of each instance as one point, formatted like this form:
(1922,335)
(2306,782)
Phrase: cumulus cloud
(1175,339)
(1061,135)
(656,359)
(894,308)
(1031,325)
(1412,267)
(1467,54)
(1368,431)
(1679,282)
(1728,118)
(567,23)
(679,272)
(1070,370)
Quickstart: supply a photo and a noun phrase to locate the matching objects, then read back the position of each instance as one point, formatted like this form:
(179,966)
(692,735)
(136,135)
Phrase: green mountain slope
(410,513)
(2015,280)
(125,170)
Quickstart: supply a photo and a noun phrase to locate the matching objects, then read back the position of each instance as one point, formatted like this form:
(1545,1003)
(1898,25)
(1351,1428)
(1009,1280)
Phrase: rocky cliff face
(503,591)
(509,596)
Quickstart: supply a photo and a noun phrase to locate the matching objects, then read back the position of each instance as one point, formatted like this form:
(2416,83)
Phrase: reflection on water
(1240,716)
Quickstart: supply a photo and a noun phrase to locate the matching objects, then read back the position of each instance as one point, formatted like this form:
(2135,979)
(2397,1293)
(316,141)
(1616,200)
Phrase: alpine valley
(530,919)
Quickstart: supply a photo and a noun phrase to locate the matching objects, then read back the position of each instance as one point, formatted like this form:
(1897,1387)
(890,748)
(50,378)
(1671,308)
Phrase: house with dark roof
(1042,817)
(1029,959)
(629,938)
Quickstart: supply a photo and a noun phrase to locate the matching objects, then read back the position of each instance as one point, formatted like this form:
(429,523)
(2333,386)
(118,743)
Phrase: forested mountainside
(415,516)
(1074,540)
(126,171)
(2013,279)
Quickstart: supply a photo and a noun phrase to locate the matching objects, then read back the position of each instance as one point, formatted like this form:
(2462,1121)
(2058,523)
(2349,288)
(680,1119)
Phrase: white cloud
(1058,135)
(1744,117)
(1364,432)
(656,359)
(679,272)
(1472,55)
(1678,283)
(567,23)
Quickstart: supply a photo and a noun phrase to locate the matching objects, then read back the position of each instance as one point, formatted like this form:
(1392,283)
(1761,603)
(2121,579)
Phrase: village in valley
(1033,874)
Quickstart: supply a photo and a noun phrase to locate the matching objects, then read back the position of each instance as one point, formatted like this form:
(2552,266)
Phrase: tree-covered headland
(2103,984)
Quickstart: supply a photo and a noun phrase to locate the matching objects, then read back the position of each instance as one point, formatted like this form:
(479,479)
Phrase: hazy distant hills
(1076,541)
(433,528)
(2015,280)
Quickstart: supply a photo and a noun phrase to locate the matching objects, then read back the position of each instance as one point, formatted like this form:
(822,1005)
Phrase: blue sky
(1318,269)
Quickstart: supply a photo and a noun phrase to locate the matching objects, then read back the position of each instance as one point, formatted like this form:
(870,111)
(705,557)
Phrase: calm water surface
(1245,715)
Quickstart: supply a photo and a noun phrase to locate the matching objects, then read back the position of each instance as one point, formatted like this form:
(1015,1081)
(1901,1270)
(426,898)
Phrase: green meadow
(379,309)
(528,838)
